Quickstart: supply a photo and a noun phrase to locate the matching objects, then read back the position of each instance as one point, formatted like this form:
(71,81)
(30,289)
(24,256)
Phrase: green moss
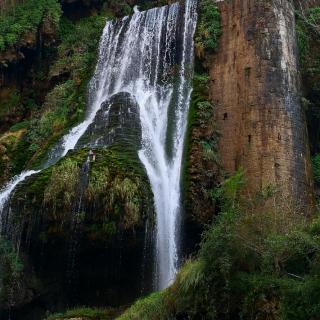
(116,186)
(26,17)
(87,313)
(62,184)
(151,307)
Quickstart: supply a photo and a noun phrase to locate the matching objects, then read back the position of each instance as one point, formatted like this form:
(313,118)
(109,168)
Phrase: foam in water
(150,56)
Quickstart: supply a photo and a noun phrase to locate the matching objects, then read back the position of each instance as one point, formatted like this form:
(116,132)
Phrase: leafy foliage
(208,28)
(64,106)
(11,271)
(251,265)
(202,143)
(149,308)
(26,17)
(114,184)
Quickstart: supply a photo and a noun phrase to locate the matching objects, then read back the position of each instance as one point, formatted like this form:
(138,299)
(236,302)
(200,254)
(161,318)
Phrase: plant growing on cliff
(26,17)
(65,104)
(116,193)
(62,185)
(252,264)
(208,28)
(11,272)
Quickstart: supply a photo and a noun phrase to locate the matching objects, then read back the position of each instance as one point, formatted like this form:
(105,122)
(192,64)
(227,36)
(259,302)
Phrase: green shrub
(253,264)
(65,104)
(208,28)
(26,17)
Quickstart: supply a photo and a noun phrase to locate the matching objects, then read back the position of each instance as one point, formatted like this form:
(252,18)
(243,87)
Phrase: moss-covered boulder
(82,224)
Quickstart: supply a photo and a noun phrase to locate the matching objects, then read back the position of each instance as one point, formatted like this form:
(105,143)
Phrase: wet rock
(117,121)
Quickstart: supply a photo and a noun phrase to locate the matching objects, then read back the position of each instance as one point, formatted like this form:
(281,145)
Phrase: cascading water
(149,56)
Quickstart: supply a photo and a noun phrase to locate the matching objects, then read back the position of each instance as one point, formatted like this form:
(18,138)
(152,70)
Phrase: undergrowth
(252,264)
(26,17)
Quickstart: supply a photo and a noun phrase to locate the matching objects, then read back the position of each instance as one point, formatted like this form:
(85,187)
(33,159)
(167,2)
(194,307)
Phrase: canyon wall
(254,84)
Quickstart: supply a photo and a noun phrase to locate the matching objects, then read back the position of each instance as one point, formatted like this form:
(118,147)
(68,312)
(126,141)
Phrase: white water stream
(150,56)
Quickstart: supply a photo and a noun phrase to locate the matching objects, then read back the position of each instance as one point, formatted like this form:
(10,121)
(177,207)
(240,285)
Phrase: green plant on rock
(208,28)
(87,313)
(62,185)
(65,104)
(254,261)
(26,17)
(11,272)
(117,191)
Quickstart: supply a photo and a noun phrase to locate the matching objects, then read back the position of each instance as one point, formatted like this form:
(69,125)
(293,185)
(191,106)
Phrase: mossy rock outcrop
(87,216)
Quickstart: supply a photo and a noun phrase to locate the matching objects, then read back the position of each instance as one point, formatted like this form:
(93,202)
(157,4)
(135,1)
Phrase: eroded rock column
(255,88)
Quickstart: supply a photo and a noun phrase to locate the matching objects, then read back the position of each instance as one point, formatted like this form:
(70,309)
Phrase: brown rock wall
(255,88)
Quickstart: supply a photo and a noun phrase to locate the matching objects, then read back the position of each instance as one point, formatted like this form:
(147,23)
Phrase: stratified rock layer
(255,88)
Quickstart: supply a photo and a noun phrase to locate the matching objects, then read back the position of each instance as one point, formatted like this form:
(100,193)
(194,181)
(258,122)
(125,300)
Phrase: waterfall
(148,55)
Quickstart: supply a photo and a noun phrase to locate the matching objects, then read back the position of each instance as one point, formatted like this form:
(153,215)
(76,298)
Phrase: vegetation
(87,313)
(114,184)
(63,184)
(251,265)
(208,28)
(201,164)
(64,106)
(11,271)
(202,142)
(26,17)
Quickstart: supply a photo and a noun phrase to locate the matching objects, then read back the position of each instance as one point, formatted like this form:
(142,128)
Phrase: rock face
(255,89)
(117,121)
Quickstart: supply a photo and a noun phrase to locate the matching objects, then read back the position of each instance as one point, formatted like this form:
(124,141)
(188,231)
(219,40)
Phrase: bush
(208,28)
(253,264)
(26,17)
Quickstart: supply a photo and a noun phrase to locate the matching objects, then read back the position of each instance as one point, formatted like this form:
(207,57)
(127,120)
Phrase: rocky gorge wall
(254,85)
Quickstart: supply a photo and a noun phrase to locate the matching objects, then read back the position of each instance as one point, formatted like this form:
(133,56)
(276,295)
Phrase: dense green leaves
(253,264)
(208,28)
(26,17)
